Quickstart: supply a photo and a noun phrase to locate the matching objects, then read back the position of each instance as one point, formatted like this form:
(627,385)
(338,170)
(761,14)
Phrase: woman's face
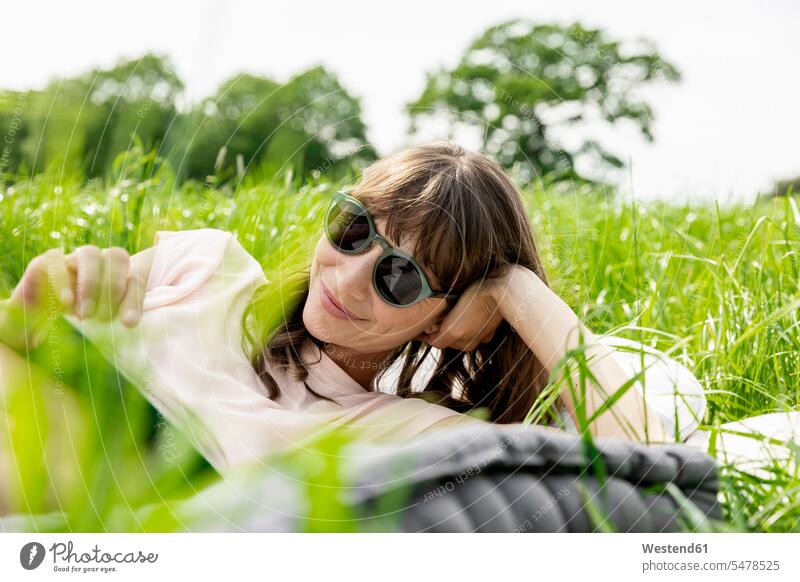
(348,279)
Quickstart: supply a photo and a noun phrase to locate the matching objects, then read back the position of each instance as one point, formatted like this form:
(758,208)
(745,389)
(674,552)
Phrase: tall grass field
(716,287)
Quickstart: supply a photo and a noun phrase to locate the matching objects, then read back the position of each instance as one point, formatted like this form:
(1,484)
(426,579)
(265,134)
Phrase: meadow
(716,287)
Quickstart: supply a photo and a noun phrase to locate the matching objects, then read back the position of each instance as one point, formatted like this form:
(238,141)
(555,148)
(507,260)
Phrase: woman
(432,249)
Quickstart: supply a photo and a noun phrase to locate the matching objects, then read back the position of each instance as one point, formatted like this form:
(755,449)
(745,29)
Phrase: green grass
(715,287)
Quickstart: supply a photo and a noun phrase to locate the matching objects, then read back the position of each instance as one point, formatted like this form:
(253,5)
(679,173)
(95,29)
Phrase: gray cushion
(519,478)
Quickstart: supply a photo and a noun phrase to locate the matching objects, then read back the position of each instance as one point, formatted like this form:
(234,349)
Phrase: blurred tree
(783,187)
(13,108)
(525,87)
(309,124)
(135,97)
(80,124)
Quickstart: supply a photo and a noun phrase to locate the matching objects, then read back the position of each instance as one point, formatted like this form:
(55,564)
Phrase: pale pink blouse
(186,356)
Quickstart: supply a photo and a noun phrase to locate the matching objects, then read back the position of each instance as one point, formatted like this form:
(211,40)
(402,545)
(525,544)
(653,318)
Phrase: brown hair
(475,223)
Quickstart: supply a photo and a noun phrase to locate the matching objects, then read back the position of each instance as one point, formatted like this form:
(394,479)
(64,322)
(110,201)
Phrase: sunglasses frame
(388,250)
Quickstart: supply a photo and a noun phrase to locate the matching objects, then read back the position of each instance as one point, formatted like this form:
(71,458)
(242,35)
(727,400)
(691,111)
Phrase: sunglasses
(396,276)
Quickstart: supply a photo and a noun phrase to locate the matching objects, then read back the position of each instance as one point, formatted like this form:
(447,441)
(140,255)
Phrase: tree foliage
(309,124)
(524,87)
(80,125)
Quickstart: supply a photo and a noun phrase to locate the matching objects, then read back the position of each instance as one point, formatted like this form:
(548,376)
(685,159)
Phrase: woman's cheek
(323,259)
(314,269)
(400,324)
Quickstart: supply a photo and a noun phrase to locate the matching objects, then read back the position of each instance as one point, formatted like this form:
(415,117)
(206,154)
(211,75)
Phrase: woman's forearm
(551,329)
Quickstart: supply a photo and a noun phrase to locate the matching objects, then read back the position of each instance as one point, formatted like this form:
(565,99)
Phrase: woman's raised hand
(472,320)
(90,283)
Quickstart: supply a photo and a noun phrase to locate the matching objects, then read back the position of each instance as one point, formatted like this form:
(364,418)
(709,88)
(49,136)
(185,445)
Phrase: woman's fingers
(114,282)
(489,335)
(472,320)
(60,279)
(102,280)
(43,292)
(89,282)
(130,309)
(464,331)
(45,281)
(86,264)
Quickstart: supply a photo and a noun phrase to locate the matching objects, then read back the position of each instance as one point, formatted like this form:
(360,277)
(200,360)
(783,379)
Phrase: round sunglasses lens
(348,227)
(398,280)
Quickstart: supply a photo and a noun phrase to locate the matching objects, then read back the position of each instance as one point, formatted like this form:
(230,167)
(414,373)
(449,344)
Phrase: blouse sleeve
(668,387)
(183,261)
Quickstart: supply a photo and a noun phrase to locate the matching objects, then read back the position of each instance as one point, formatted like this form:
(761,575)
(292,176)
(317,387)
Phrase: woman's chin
(316,323)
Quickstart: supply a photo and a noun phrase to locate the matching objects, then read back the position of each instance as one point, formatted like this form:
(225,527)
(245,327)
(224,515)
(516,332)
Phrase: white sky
(728,130)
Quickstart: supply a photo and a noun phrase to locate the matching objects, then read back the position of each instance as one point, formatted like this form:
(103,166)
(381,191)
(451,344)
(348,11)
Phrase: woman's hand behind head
(472,320)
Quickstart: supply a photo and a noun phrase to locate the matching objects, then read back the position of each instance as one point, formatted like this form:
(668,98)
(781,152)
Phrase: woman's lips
(332,307)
